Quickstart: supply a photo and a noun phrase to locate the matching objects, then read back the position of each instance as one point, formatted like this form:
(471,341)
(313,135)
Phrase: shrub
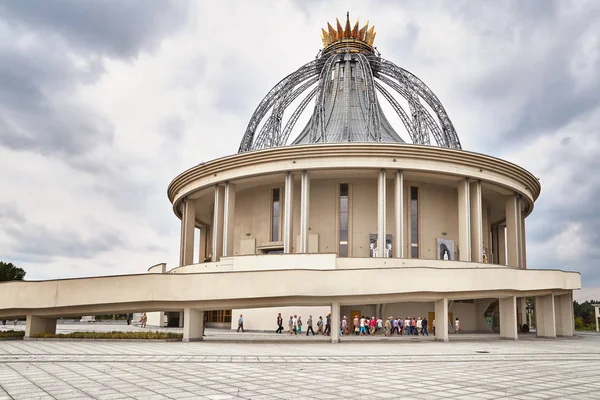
(6,334)
(110,335)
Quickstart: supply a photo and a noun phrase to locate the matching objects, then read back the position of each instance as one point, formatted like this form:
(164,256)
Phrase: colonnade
(508,237)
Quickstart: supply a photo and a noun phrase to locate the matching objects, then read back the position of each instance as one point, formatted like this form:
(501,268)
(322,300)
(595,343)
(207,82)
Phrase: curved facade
(438,209)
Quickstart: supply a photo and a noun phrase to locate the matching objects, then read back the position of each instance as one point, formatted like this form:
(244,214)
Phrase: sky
(103,103)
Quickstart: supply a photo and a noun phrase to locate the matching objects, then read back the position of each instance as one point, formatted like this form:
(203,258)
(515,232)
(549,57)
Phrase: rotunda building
(393,222)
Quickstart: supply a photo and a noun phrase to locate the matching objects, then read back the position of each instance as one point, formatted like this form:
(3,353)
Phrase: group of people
(362,326)
(295,324)
(376,326)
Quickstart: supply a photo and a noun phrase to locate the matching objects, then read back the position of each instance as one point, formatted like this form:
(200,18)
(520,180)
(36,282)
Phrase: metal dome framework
(345,81)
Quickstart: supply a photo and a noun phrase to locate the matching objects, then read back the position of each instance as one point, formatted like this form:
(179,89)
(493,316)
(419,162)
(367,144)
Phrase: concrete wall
(438,209)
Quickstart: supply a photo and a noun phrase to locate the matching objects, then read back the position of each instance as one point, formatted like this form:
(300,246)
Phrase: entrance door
(353,313)
(431,316)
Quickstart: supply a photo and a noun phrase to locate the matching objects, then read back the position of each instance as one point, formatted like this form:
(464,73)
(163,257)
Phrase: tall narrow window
(414,222)
(344,220)
(275,211)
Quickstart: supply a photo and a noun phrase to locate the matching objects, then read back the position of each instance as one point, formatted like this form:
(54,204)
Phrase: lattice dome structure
(344,85)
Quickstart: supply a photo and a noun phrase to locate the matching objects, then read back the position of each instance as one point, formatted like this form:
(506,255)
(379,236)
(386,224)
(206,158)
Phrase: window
(275,211)
(414,222)
(343,251)
(219,316)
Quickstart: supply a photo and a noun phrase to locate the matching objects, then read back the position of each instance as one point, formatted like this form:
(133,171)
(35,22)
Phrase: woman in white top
(457,325)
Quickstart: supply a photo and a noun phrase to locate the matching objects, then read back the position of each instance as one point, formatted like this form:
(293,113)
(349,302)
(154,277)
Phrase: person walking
(279,323)
(356,328)
(344,326)
(320,326)
(328,325)
(457,326)
(144,320)
(309,326)
(395,324)
(290,325)
(424,324)
(241,323)
(299,322)
(388,326)
(295,326)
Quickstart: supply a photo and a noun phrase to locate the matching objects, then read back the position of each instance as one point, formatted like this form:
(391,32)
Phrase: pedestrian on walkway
(299,322)
(388,326)
(290,325)
(424,324)
(309,326)
(295,327)
(143,320)
(320,326)
(328,325)
(241,323)
(279,323)
(457,326)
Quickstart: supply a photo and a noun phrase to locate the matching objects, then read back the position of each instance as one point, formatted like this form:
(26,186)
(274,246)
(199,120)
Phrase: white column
(193,325)
(335,322)
(188,224)
(304,211)
(512,231)
(464,223)
(228,219)
(381,215)
(597,314)
(508,318)
(563,307)
(398,249)
(476,219)
(217,228)
(441,320)
(288,213)
(545,316)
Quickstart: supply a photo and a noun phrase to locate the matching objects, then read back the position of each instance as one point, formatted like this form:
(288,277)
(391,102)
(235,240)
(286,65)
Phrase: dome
(344,86)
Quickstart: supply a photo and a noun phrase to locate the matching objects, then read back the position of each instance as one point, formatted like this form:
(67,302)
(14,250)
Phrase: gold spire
(348,34)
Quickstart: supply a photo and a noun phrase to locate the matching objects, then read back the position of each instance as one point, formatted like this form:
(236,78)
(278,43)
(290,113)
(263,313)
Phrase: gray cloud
(112,27)
(37,241)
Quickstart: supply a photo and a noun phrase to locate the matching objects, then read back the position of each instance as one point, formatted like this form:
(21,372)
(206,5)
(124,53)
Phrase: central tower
(344,84)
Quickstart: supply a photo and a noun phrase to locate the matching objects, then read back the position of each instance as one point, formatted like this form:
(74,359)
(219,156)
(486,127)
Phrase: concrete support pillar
(441,320)
(476,219)
(335,322)
(508,318)
(217,228)
(193,325)
(513,223)
(464,223)
(565,320)
(381,214)
(188,224)
(228,218)
(502,244)
(399,215)
(304,211)
(545,316)
(35,324)
(181,318)
(288,215)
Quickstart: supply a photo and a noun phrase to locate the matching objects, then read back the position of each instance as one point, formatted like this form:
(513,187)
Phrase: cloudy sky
(103,103)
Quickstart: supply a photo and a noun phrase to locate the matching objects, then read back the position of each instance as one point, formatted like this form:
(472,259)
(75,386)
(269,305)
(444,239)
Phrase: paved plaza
(470,367)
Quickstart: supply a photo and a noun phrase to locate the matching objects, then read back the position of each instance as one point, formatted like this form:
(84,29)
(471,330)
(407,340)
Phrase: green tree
(10,272)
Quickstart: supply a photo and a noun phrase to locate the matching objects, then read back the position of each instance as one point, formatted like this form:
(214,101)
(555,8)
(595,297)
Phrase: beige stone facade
(299,229)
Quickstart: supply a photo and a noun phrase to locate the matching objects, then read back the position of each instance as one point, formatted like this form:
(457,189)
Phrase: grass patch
(6,334)
(109,335)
